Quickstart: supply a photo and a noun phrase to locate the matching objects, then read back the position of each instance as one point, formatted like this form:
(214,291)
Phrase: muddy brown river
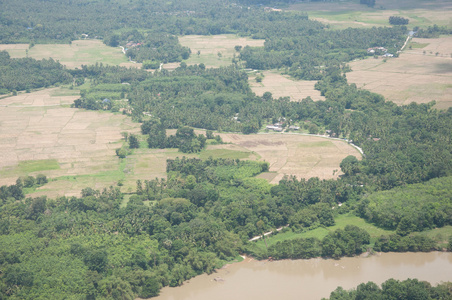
(309,279)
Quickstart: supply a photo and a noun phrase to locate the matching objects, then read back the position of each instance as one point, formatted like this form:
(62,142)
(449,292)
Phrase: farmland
(283,86)
(421,74)
(41,134)
(344,14)
(294,154)
(76,54)
(215,50)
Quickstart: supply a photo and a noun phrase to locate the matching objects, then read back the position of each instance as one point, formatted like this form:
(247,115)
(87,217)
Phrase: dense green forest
(29,73)
(106,245)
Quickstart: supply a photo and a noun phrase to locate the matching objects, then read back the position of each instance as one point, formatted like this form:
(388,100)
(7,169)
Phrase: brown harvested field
(40,136)
(210,46)
(15,50)
(294,154)
(76,54)
(283,86)
(413,77)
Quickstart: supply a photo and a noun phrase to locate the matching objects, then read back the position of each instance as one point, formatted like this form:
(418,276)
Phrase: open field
(283,86)
(420,74)
(210,46)
(342,221)
(344,14)
(293,154)
(321,232)
(81,52)
(39,135)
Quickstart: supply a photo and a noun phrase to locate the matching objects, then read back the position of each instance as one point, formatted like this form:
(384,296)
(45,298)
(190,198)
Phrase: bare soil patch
(295,154)
(419,75)
(283,86)
(35,127)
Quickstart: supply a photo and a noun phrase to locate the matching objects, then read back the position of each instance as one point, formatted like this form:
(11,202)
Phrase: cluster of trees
(16,191)
(342,242)
(18,74)
(412,208)
(395,289)
(432,31)
(90,247)
(397,243)
(153,47)
(185,138)
(306,50)
(396,20)
(370,3)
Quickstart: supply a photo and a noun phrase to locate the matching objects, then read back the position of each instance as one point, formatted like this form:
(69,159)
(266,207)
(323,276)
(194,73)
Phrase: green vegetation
(29,166)
(412,208)
(28,73)
(224,153)
(105,245)
(395,289)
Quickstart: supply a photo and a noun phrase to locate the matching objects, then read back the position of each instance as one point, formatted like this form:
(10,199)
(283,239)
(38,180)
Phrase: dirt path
(257,237)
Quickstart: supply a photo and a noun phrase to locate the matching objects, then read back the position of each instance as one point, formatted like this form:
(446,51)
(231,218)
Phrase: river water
(309,279)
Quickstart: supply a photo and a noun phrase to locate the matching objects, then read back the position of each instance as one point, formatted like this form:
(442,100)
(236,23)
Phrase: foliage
(396,20)
(346,242)
(395,289)
(18,74)
(370,3)
(412,208)
(397,243)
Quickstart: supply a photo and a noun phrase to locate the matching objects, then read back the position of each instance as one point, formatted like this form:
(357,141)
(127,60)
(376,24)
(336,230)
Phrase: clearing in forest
(214,50)
(348,13)
(41,134)
(76,54)
(421,74)
(293,154)
(283,86)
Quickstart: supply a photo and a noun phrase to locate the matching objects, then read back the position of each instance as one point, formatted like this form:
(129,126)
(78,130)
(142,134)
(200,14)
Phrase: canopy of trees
(28,73)
(395,289)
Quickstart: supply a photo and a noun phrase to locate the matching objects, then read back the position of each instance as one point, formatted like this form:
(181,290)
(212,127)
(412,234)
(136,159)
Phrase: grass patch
(224,153)
(321,232)
(316,144)
(62,91)
(125,201)
(415,45)
(29,166)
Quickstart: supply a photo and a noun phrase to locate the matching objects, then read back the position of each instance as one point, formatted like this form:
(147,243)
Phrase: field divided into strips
(420,74)
(349,13)
(39,135)
(80,52)
(283,86)
(293,154)
(209,48)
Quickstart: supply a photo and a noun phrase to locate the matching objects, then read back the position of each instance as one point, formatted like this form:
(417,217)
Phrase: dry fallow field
(283,86)
(210,46)
(39,135)
(76,54)
(293,154)
(420,74)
